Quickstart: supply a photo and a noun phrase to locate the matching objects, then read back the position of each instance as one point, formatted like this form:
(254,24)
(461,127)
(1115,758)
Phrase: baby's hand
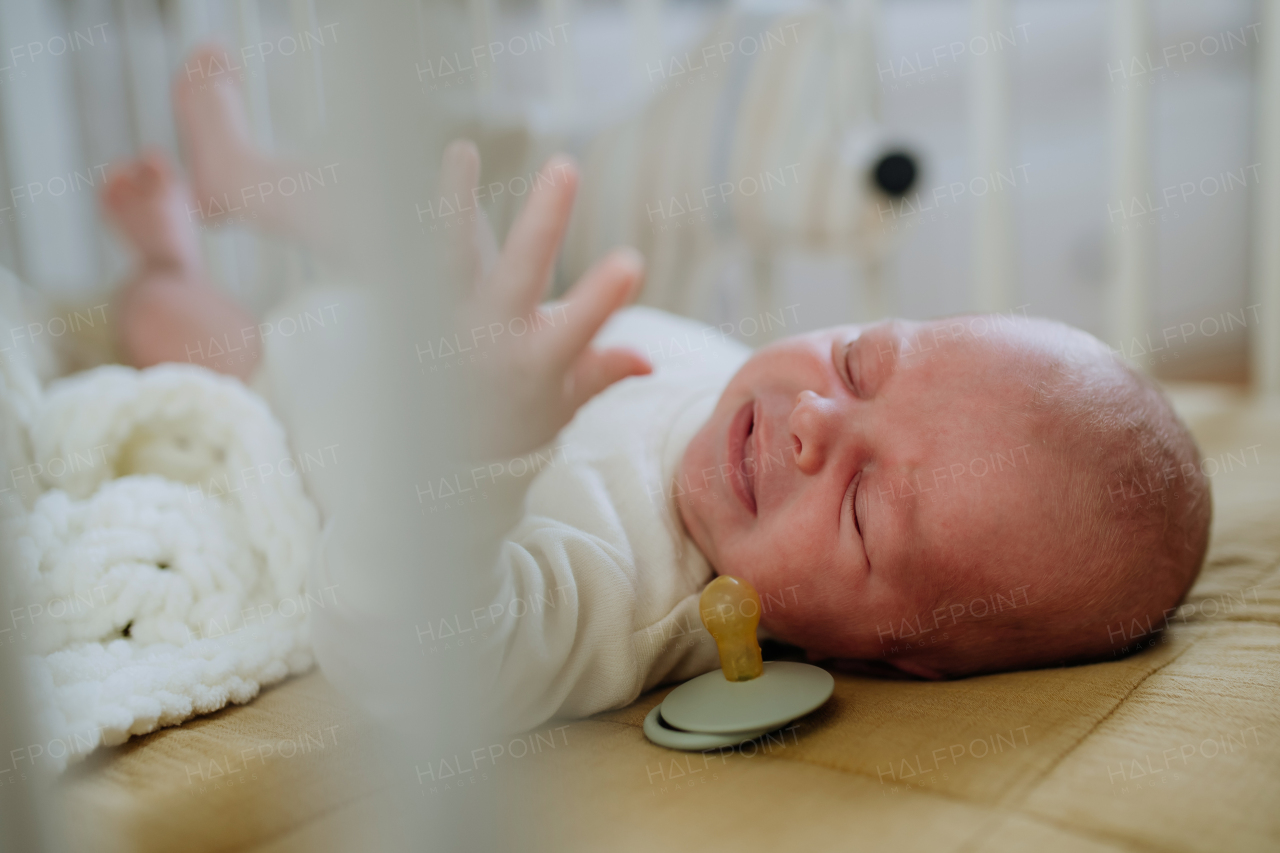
(537,362)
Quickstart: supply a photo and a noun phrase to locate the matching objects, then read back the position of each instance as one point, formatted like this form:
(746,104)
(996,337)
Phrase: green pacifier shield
(664,735)
(713,705)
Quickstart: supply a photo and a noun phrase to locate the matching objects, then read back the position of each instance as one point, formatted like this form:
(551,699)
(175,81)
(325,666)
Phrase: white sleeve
(563,632)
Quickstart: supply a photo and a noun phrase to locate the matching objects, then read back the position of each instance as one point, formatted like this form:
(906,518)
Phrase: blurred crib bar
(993,237)
(1130,283)
(1265,342)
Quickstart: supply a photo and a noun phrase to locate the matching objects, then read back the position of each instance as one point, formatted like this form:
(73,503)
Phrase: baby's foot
(167,316)
(153,209)
(217,142)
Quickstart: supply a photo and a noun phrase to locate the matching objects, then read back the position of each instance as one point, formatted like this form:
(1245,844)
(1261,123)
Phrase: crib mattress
(1175,746)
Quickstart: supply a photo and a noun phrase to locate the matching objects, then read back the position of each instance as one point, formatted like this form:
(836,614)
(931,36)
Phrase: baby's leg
(228,173)
(169,311)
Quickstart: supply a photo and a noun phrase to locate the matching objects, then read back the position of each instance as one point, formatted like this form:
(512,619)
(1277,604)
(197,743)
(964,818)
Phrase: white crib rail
(1265,340)
(993,238)
(645,19)
(1130,284)
(481,13)
(249,26)
(563,68)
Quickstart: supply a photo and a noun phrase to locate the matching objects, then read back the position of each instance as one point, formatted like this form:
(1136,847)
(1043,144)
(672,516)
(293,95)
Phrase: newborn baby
(892,472)
(872,482)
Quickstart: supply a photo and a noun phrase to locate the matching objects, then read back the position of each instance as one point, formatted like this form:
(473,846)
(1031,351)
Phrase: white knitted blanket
(161,546)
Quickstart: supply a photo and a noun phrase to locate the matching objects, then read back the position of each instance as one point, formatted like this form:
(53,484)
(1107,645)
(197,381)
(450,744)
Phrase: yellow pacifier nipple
(749,697)
(730,609)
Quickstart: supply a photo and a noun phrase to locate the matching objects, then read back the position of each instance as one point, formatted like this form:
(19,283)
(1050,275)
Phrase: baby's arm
(534,660)
(531,387)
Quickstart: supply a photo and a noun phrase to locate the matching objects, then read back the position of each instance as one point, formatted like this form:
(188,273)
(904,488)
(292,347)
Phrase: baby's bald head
(1120,528)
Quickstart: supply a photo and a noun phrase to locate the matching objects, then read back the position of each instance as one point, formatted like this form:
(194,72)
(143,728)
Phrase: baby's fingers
(596,370)
(524,267)
(603,289)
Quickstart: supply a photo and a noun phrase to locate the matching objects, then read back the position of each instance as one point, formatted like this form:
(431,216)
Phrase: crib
(1072,758)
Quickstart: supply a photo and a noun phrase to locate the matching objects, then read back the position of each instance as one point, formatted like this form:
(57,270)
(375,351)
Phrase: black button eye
(895,173)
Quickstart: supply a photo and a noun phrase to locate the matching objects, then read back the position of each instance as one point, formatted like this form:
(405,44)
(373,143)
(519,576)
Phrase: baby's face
(862,475)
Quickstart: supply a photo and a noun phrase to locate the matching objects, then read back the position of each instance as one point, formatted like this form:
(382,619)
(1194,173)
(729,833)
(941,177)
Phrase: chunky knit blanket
(161,537)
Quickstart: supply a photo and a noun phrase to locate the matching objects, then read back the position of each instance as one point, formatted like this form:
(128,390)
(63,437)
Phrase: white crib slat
(308,76)
(482,15)
(993,249)
(103,116)
(1265,336)
(859,92)
(646,42)
(555,13)
(250,26)
(53,235)
(147,73)
(193,23)
(1131,247)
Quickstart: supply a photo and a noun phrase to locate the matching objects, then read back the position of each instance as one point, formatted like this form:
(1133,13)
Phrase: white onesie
(601,530)
(598,580)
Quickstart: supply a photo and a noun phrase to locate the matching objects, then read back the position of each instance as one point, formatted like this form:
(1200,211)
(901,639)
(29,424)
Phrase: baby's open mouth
(742,455)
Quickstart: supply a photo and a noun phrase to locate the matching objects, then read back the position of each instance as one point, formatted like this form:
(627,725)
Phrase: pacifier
(747,697)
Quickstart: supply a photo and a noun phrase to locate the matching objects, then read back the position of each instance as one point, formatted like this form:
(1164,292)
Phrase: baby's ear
(917,669)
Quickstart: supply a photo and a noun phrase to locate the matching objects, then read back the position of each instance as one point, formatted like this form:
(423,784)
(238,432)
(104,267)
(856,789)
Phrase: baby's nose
(810,424)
